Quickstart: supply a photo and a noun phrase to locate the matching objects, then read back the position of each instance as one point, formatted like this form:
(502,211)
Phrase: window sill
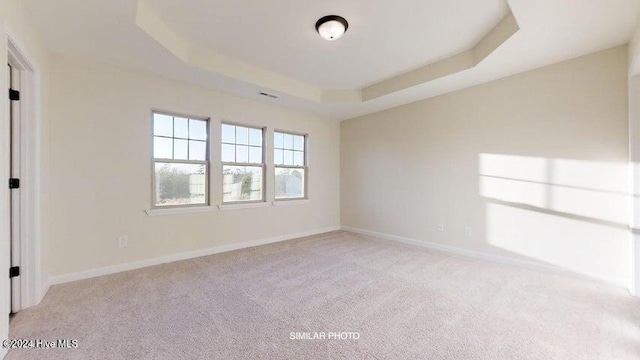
(182,210)
(245,206)
(285,202)
(201,209)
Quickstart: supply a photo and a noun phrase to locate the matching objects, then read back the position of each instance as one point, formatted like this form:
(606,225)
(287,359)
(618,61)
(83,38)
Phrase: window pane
(255,155)
(255,137)
(241,183)
(242,154)
(288,157)
(288,141)
(278,140)
(162,148)
(197,129)
(278,156)
(180,184)
(298,142)
(197,150)
(298,158)
(242,135)
(181,128)
(228,134)
(289,183)
(228,153)
(180,148)
(162,125)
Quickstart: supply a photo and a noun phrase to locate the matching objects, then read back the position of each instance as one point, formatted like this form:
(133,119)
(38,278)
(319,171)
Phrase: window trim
(180,210)
(305,167)
(262,165)
(206,162)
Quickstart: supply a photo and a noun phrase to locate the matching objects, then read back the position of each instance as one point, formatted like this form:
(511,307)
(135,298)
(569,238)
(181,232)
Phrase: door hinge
(14,271)
(14,183)
(14,95)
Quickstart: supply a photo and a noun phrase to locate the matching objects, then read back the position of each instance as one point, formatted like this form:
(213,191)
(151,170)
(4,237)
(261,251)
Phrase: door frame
(15,240)
(634,179)
(31,285)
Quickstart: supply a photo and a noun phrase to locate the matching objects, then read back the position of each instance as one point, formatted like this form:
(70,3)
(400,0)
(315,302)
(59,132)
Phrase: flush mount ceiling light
(332,27)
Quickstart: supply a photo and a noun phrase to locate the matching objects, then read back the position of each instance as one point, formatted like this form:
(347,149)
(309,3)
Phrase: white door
(14,115)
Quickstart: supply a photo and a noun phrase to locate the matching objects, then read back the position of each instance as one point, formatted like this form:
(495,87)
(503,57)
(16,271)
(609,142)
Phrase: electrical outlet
(440,227)
(468,231)
(123,241)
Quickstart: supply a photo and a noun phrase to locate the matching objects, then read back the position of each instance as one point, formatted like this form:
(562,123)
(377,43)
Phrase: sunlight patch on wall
(564,212)
(590,249)
(594,190)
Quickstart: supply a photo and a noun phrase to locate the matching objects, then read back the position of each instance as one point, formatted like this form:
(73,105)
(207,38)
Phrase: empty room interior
(407,179)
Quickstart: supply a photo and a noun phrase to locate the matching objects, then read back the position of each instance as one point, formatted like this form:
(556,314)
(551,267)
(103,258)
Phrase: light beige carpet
(405,302)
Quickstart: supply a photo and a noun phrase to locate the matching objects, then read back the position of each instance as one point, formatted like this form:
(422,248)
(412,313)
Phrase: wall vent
(262,93)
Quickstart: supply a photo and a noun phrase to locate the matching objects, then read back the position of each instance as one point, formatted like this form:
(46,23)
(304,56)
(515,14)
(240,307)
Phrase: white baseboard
(43,290)
(492,258)
(230,247)
(81,275)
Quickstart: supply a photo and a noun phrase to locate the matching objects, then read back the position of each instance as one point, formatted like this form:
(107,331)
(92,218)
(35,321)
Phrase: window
(180,160)
(242,164)
(289,157)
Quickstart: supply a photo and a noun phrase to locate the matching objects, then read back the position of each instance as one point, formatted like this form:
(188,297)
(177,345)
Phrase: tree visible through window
(242,164)
(289,157)
(180,158)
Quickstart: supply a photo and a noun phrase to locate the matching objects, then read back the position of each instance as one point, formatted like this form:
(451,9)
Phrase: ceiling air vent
(262,93)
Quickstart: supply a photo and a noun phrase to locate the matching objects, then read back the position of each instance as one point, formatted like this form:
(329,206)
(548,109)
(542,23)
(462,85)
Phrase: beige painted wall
(535,164)
(100,159)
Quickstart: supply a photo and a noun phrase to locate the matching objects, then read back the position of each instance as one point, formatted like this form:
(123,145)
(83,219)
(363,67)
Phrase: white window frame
(262,165)
(305,166)
(205,162)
